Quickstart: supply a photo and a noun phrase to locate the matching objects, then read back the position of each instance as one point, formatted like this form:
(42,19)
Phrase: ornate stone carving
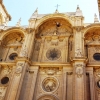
(6,71)
(19,68)
(79,70)
(78,28)
(97,72)
(49,84)
(92,38)
(50,70)
(78,53)
(2,92)
(47,97)
(24,52)
(53,54)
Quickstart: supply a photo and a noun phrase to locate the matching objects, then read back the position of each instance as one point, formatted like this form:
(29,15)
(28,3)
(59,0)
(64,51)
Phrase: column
(92,89)
(17,80)
(33,83)
(31,49)
(41,49)
(64,83)
(79,80)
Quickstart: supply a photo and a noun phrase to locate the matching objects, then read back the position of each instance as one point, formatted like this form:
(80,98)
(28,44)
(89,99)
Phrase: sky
(25,8)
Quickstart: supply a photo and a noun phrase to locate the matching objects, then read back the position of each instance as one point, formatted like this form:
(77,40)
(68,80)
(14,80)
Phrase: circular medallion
(96,56)
(53,54)
(49,84)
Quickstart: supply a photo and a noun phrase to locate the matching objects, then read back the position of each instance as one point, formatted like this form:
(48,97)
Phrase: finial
(57,8)
(78,7)
(56,11)
(78,11)
(36,11)
(95,18)
(18,23)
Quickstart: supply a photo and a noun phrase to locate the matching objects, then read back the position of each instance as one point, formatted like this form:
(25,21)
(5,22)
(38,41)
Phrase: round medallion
(96,56)
(49,84)
(53,54)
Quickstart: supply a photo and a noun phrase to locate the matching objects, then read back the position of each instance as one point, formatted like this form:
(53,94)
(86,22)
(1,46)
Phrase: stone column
(41,49)
(31,44)
(25,47)
(92,89)
(79,80)
(64,83)
(65,54)
(33,83)
(17,80)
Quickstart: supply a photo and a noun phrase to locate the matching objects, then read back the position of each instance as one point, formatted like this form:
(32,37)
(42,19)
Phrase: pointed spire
(36,11)
(78,11)
(18,23)
(95,18)
(35,14)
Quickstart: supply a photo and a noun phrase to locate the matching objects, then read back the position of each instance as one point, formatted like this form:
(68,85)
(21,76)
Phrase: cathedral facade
(55,57)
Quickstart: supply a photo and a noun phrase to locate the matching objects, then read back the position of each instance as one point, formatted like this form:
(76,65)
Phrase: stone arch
(55,26)
(10,30)
(51,16)
(11,43)
(91,41)
(44,23)
(48,97)
(89,27)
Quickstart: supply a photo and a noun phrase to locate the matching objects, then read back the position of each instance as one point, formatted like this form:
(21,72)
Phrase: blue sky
(24,8)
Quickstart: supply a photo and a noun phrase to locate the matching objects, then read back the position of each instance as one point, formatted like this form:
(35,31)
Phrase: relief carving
(97,72)
(24,52)
(50,70)
(19,68)
(2,92)
(79,70)
(78,53)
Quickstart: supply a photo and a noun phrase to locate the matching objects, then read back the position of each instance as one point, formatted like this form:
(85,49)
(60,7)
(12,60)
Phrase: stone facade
(55,57)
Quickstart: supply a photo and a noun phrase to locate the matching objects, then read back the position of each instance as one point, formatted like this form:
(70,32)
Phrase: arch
(10,30)
(51,16)
(89,27)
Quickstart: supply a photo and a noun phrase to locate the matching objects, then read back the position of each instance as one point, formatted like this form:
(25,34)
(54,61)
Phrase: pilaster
(64,83)
(41,49)
(17,80)
(79,79)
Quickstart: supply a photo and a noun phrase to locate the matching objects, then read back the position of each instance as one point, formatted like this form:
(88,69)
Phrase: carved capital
(78,28)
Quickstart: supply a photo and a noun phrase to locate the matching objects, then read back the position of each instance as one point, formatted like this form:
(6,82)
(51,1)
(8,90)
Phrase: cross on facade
(57,6)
